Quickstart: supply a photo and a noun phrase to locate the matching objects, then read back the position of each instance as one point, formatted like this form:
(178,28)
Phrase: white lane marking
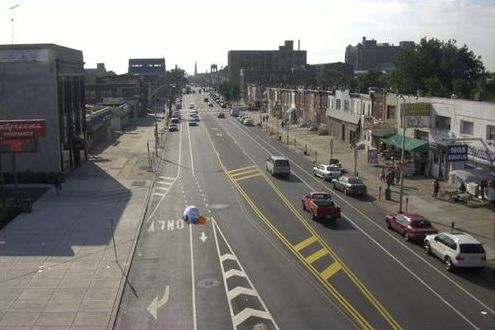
(163,183)
(193,280)
(175,179)
(162,188)
(238,290)
(247,312)
(157,303)
(383,230)
(167,178)
(158,194)
(203,237)
(234,272)
(227,256)
(190,151)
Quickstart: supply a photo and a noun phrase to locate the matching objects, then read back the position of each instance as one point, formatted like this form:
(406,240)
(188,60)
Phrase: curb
(130,258)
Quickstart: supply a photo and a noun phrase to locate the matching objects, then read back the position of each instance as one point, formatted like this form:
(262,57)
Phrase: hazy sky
(182,31)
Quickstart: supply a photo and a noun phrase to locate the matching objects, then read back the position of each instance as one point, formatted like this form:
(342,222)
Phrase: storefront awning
(410,144)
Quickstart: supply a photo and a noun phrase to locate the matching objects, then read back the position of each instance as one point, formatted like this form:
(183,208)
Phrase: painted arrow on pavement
(203,236)
(157,303)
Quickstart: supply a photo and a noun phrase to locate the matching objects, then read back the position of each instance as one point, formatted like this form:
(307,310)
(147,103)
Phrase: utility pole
(403,115)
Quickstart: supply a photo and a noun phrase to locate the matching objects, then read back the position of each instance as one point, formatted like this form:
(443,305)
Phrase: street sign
(458,153)
(18,129)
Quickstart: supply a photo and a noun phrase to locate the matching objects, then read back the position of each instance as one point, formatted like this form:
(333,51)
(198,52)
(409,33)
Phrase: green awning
(410,143)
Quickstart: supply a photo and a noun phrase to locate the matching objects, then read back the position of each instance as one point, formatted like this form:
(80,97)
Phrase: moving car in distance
(350,185)
(327,172)
(413,227)
(320,205)
(456,250)
(221,115)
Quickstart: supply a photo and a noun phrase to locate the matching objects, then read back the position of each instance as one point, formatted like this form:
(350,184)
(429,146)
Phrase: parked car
(193,122)
(350,185)
(456,250)
(278,165)
(327,172)
(320,205)
(248,122)
(413,227)
(192,106)
(210,104)
(221,115)
(174,120)
(173,128)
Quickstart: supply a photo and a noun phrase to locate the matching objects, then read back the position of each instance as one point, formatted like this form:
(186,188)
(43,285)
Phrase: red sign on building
(22,129)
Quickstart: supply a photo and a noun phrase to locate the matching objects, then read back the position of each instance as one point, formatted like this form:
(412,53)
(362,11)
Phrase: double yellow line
(296,249)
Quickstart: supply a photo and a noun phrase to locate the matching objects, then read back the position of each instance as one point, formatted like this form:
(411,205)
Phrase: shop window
(490,132)
(346,105)
(466,127)
(337,104)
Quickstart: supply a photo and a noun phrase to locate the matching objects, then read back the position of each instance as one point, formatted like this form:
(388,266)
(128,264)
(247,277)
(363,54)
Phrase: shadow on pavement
(79,220)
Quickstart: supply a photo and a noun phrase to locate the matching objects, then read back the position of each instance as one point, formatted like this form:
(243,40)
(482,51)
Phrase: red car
(320,205)
(413,227)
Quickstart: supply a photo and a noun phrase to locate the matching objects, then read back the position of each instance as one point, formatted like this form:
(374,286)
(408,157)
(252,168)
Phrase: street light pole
(12,20)
(403,115)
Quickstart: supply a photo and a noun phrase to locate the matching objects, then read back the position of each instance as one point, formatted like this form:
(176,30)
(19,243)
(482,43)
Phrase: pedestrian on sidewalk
(382,175)
(436,188)
(283,124)
(390,178)
(58,184)
(397,174)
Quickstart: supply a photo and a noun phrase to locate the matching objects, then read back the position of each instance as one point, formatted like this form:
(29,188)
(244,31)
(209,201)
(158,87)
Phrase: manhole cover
(208,283)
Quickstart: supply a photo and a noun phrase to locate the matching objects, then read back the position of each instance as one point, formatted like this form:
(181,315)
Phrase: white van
(278,165)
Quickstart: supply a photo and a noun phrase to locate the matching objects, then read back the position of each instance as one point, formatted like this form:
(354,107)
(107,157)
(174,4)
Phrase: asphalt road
(259,259)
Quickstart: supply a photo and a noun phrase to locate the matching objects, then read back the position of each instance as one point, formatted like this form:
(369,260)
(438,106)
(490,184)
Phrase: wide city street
(261,262)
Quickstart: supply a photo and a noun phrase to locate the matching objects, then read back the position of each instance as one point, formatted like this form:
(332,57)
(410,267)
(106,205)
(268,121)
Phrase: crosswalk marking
(158,194)
(317,255)
(307,242)
(167,178)
(331,270)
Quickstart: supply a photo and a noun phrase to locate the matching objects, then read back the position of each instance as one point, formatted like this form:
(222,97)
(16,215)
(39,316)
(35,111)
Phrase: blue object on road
(191,214)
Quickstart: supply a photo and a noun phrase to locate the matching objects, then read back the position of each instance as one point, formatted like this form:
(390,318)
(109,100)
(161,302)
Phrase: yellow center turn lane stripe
(243,169)
(329,271)
(247,176)
(317,255)
(307,242)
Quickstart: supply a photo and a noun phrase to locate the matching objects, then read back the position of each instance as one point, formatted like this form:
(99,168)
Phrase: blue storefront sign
(458,153)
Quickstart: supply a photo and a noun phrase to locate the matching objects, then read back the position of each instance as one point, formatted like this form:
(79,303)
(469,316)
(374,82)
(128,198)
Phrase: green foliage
(372,78)
(330,78)
(177,76)
(229,91)
(438,68)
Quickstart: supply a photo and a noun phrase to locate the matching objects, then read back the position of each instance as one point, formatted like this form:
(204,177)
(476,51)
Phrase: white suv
(456,250)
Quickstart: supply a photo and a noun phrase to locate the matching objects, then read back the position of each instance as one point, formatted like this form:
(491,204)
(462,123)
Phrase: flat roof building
(45,81)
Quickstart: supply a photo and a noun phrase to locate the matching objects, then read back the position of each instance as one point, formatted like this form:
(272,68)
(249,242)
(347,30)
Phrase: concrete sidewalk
(478,221)
(62,266)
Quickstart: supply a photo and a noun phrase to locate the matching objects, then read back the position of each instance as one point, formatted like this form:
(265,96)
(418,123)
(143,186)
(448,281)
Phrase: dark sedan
(350,185)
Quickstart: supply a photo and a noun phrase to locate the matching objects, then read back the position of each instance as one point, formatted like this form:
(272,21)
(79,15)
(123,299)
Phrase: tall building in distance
(195,68)
(372,55)
(263,64)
